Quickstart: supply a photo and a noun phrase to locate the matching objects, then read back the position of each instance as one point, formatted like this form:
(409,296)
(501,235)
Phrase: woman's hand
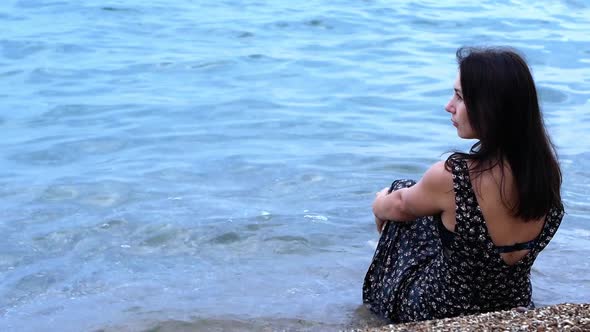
(380,223)
(383,192)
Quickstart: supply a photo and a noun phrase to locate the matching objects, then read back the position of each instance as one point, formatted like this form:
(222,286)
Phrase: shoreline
(560,317)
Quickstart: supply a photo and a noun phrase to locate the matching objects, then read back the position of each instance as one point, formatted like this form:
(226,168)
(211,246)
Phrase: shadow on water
(361,318)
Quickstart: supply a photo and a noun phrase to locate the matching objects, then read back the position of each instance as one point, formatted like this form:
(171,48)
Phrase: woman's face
(459,117)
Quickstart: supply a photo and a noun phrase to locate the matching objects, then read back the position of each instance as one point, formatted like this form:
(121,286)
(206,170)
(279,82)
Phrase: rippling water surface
(201,165)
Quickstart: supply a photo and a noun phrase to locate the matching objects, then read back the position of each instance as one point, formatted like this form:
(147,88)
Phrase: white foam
(372,244)
(315,217)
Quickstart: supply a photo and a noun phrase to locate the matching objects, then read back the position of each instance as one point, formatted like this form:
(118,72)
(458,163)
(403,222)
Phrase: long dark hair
(503,109)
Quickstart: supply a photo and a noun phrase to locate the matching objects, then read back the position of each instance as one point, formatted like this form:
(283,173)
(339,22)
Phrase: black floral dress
(422,271)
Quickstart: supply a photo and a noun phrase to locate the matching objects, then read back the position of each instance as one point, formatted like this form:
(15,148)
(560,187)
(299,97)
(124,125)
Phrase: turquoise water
(201,165)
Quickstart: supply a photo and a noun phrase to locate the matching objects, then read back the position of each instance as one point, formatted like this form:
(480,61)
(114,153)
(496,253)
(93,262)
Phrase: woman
(463,239)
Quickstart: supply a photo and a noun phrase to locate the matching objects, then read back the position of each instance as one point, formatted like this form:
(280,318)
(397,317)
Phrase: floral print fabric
(413,276)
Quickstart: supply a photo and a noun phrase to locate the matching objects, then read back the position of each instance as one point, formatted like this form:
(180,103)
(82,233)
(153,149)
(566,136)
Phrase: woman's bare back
(503,227)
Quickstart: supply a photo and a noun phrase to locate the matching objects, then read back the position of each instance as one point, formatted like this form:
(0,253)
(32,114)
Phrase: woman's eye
(458,97)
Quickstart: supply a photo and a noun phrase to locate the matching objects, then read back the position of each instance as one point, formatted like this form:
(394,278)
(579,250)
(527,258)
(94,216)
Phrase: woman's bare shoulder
(437,176)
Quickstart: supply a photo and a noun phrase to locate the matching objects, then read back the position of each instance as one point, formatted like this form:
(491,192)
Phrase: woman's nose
(449,106)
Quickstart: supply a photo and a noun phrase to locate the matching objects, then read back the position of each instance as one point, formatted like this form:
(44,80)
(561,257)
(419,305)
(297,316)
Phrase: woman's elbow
(401,209)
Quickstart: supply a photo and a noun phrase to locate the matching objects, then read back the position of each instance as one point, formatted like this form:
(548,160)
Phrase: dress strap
(516,247)
(468,218)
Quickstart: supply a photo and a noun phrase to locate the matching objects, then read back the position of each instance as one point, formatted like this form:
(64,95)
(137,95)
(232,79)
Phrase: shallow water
(213,164)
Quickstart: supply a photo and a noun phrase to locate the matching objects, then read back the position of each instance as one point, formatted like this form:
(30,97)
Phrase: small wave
(315,217)
(226,238)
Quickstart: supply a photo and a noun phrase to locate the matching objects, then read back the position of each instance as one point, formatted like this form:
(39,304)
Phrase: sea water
(174,165)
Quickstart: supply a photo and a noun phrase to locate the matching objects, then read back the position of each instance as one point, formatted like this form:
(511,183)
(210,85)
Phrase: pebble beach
(560,317)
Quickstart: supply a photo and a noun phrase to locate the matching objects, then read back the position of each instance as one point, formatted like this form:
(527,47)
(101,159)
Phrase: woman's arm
(429,196)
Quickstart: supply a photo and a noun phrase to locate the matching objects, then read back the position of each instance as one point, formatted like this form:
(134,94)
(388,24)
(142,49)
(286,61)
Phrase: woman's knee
(401,183)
